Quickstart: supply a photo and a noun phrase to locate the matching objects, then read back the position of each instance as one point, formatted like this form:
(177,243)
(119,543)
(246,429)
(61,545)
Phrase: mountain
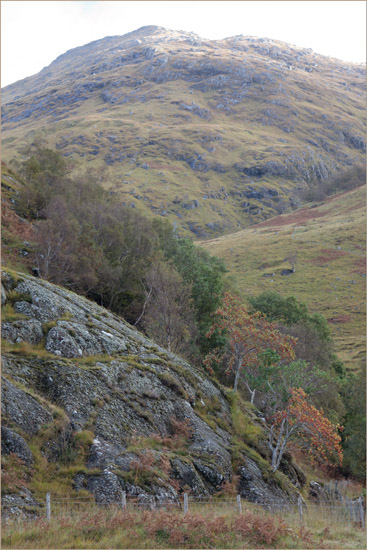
(213,134)
(92,407)
(326,243)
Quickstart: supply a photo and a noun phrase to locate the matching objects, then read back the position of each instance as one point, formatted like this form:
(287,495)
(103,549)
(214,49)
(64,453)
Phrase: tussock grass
(203,527)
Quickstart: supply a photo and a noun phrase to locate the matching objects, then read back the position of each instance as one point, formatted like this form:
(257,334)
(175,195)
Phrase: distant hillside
(327,245)
(215,135)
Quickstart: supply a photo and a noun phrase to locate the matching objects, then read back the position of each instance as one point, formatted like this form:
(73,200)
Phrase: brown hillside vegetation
(329,276)
(215,135)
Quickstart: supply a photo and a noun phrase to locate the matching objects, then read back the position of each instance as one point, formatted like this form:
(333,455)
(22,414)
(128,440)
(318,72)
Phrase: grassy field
(203,527)
(329,243)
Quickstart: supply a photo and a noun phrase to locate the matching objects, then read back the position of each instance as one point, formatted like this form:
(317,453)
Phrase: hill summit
(213,134)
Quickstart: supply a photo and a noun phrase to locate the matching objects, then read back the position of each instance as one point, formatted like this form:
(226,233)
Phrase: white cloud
(35,33)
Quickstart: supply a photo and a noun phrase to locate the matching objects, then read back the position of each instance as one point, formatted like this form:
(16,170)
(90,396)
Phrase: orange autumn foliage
(311,429)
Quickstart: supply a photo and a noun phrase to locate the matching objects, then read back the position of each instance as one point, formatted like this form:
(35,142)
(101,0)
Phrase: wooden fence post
(239,503)
(300,508)
(186,503)
(356,511)
(361,512)
(48,506)
(350,507)
(123,500)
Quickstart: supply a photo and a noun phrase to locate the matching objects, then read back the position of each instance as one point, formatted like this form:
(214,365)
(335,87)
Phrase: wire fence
(340,509)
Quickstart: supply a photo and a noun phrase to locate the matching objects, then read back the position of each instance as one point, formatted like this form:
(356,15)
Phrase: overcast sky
(33,34)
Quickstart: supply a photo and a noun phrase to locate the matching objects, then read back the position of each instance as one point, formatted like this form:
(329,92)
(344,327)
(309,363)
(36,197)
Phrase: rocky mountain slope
(215,135)
(90,406)
(327,243)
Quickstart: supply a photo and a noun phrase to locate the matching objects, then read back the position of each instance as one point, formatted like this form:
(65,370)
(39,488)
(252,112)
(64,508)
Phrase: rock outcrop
(242,113)
(117,411)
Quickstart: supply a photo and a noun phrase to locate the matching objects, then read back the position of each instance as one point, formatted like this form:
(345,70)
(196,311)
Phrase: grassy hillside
(214,135)
(330,269)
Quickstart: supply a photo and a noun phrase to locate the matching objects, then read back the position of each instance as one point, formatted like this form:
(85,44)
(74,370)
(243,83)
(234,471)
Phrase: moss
(13,296)
(156,361)
(8,314)
(239,448)
(169,381)
(90,359)
(133,361)
(223,424)
(146,415)
(15,277)
(243,424)
(72,471)
(84,438)
(66,316)
(48,326)
(25,348)
(91,420)
(153,349)
(185,373)
(209,421)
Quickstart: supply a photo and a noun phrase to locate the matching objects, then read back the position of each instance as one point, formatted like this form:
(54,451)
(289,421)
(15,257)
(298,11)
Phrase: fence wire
(343,509)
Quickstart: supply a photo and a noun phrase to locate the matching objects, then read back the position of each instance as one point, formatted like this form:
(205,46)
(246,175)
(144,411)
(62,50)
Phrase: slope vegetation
(214,135)
(326,246)
(92,407)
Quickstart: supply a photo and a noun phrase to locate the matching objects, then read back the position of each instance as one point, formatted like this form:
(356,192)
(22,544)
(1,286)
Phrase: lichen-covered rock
(3,295)
(23,409)
(22,331)
(12,442)
(21,504)
(316,491)
(209,474)
(60,342)
(107,488)
(253,487)
(127,395)
(188,476)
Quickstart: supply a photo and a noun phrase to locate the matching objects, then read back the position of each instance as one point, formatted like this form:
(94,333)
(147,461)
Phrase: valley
(153,185)
(327,245)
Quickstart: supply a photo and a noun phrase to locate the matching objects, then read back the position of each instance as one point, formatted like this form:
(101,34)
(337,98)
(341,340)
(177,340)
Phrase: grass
(330,267)
(214,526)
(153,131)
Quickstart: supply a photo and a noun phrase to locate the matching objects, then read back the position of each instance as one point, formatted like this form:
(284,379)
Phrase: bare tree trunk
(276,448)
(252,396)
(283,438)
(252,393)
(237,377)
(144,306)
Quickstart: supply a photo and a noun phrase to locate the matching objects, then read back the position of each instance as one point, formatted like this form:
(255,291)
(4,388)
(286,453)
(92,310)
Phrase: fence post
(350,506)
(48,506)
(356,511)
(123,500)
(361,512)
(300,508)
(186,503)
(239,503)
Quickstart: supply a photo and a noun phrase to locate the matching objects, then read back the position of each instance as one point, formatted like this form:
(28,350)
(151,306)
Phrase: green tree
(354,434)
(247,337)
(200,270)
